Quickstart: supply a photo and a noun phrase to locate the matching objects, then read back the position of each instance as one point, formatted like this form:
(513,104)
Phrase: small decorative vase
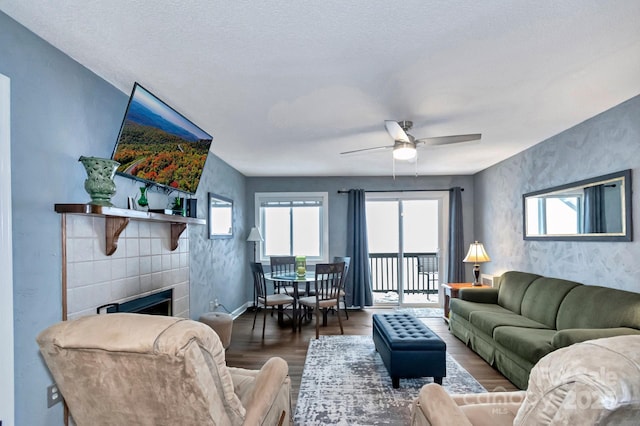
(178,207)
(142,201)
(301,266)
(99,183)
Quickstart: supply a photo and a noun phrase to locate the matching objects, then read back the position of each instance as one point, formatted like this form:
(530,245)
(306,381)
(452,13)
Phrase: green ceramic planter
(99,183)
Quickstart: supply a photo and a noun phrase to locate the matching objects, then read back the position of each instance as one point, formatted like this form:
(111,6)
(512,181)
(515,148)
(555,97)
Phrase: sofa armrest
(479,295)
(268,385)
(570,336)
(435,407)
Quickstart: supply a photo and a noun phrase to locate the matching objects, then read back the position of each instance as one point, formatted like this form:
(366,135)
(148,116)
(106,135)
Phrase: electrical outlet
(53,395)
(215,303)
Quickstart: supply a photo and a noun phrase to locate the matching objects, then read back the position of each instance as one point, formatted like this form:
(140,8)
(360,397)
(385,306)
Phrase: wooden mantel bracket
(116,220)
(113,227)
(176,230)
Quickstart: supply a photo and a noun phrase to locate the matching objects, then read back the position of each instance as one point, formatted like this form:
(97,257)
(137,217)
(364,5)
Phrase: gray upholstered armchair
(596,382)
(122,369)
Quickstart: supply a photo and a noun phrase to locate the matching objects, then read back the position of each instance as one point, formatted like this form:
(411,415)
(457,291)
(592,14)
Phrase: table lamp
(477,254)
(254,237)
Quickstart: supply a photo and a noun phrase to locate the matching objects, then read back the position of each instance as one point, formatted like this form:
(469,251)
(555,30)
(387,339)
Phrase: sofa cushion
(487,321)
(530,344)
(543,298)
(569,336)
(589,306)
(464,308)
(513,286)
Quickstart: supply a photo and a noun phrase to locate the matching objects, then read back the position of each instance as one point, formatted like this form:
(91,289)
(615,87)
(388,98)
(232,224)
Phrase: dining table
(299,283)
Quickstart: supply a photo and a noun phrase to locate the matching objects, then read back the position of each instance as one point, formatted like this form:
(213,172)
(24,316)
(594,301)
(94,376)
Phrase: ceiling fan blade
(445,140)
(396,131)
(378,148)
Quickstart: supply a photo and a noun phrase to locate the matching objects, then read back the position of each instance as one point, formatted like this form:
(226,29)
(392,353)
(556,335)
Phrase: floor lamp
(255,238)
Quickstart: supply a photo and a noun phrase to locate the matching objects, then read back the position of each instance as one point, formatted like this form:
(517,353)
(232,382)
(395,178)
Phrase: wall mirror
(597,209)
(220,217)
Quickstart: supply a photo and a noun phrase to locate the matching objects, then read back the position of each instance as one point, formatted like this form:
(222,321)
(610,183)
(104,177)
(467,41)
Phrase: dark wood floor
(248,350)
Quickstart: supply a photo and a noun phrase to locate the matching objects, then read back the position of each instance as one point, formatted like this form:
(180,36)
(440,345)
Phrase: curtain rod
(341,191)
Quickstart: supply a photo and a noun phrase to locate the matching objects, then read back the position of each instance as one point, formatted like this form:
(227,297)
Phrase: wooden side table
(451,290)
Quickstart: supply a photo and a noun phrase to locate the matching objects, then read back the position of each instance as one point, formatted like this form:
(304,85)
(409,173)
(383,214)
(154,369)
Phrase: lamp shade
(477,254)
(404,150)
(254,235)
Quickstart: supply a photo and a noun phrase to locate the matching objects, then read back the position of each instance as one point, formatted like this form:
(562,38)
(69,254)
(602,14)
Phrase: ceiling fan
(404,146)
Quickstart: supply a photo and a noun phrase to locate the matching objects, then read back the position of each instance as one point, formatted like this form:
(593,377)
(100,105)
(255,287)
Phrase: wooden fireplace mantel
(117,219)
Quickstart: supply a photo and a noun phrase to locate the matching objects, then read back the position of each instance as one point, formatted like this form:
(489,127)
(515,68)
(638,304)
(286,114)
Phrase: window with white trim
(293,224)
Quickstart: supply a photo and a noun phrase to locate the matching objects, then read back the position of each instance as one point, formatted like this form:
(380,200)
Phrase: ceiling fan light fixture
(404,150)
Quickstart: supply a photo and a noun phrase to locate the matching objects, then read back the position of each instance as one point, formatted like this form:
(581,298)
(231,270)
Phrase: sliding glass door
(406,236)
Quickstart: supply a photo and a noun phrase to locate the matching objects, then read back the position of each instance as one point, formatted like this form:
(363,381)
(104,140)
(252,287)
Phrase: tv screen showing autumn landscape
(158,145)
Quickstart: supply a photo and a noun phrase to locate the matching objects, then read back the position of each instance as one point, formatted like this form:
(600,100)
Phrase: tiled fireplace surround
(142,264)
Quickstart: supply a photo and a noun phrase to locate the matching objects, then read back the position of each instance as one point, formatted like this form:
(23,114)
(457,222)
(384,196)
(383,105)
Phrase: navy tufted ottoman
(409,348)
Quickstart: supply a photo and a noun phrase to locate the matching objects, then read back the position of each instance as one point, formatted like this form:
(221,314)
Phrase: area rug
(422,312)
(344,382)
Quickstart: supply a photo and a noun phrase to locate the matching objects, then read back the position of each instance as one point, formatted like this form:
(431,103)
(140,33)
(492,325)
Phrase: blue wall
(218,267)
(60,111)
(606,143)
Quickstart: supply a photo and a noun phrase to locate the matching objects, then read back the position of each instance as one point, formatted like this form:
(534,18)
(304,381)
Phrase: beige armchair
(596,382)
(125,369)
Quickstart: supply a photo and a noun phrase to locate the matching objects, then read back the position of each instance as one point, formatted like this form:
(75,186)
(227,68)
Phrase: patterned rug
(344,382)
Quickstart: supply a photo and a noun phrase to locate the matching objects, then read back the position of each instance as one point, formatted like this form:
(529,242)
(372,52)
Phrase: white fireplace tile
(145,265)
(80,226)
(133,266)
(132,286)
(173,276)
(167,278)
(118,269)
(142,264)
(181,306)
(132,247)
(156,280)
(156,263)
(156,246)
(99,251)
(175,260)
(82,249)
(143,230)
(145,283)
(80,274)
(99,247)
(166,262)
(180,290)
(118,290)
(131,230)
(183,274)
(160,230)
(88,297)
(144,248)
(102,270)
(120,252)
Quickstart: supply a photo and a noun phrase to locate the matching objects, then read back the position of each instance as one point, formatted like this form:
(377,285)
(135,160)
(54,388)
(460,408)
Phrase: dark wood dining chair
(347,263)
(283,265)
(327,287)
(263,298)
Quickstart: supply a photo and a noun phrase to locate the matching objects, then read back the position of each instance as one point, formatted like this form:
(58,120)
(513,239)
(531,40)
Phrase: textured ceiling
(285,86)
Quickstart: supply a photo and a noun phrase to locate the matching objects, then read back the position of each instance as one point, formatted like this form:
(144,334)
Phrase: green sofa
(528,316)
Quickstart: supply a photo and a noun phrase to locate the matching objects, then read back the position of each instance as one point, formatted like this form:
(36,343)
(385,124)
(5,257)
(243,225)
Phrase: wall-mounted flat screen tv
(158,145)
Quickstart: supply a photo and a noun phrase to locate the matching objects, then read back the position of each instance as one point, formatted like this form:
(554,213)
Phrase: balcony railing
(421,272)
